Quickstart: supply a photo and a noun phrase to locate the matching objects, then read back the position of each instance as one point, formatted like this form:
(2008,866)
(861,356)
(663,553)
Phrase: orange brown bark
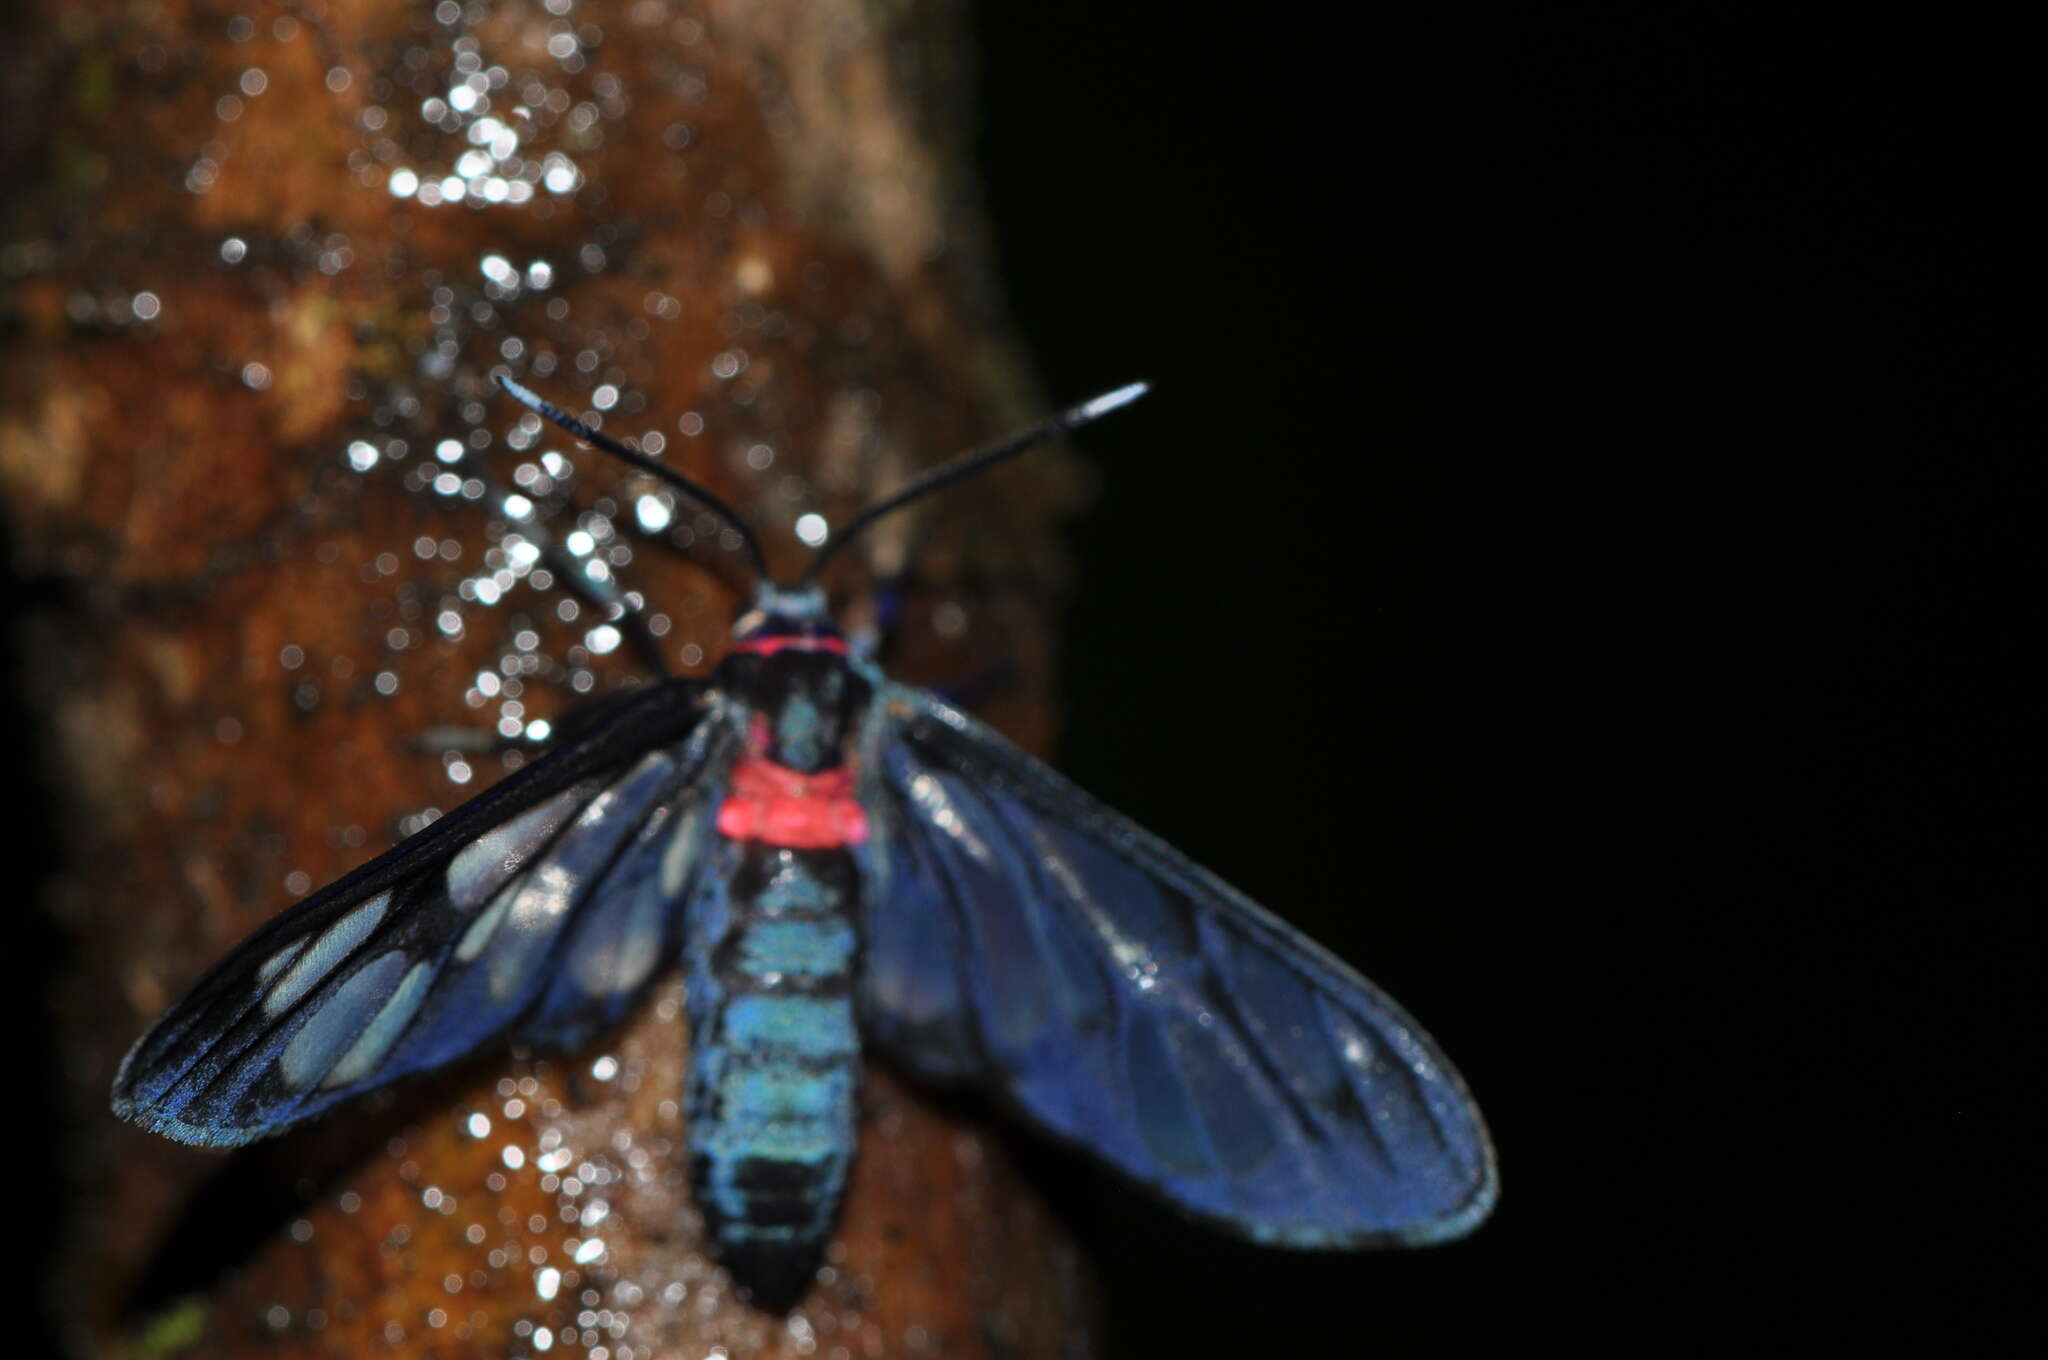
(214,291)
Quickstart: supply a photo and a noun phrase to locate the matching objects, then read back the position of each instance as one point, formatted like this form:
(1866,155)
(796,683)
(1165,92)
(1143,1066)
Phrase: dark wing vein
(1133,1003)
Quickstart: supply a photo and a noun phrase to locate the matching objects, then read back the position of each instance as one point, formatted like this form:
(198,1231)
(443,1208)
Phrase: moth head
(782,616)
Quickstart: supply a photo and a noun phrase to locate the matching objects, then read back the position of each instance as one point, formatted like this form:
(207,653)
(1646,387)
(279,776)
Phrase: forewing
(1025,936)
(537,910)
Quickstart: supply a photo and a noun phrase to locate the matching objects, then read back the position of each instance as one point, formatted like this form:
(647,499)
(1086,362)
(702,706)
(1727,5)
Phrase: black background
(1582,562)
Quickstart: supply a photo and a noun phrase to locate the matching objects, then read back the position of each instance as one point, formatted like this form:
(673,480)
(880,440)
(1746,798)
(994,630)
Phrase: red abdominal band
(776,805)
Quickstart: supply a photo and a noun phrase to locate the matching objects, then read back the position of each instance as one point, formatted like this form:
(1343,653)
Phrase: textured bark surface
(249,322)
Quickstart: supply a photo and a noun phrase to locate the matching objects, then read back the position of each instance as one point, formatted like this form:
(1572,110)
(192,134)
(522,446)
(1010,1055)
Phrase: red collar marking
(776,805)
(769,646)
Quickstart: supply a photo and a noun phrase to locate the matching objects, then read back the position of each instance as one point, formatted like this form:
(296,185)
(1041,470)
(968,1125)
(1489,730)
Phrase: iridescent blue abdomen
(775,1061)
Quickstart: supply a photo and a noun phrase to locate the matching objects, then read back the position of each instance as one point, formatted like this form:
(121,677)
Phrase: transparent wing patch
(537,911)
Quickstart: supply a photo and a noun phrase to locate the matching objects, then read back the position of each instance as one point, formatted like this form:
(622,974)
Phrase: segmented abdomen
(775,1059)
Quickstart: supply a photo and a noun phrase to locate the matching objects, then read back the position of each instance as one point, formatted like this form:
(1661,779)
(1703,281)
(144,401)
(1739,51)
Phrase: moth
(842,865)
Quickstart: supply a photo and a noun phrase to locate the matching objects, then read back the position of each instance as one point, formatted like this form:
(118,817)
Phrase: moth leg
(617,611)
(869,638)
(456,739)
(641,639)
(573,572)
(587,713)
(978,686)
(874,639)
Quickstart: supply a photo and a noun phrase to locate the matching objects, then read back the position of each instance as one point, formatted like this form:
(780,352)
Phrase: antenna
(944,475)
(605,443)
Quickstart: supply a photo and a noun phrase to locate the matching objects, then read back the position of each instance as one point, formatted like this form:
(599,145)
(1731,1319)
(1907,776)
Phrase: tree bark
(263,259)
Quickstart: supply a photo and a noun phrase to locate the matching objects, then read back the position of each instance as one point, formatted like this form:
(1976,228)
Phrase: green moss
(92,84)
(176,1329)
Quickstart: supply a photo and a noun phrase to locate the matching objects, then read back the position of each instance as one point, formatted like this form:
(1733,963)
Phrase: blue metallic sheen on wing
(1022,935)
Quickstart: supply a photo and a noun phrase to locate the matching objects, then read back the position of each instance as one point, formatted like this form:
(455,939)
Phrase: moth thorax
(806,707)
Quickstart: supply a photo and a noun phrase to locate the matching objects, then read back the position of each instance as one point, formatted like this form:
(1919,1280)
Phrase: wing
(1024,936)
(536,910)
